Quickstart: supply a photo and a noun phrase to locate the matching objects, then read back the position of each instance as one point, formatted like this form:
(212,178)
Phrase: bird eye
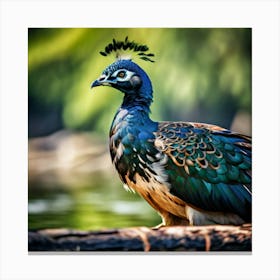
(121,74)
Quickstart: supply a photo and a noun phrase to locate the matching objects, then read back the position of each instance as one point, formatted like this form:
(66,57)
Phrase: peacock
(190,173)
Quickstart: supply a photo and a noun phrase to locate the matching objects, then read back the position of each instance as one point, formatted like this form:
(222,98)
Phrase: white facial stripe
(128,75)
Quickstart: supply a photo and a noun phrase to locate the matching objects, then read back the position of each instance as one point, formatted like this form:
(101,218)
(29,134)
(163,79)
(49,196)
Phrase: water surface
(104,204)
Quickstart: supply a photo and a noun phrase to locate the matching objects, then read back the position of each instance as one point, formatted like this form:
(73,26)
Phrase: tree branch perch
(179,238)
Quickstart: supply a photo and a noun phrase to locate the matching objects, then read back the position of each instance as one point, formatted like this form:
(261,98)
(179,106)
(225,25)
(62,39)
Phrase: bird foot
(159,226)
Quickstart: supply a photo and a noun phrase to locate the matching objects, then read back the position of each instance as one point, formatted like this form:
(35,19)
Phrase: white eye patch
(123,75)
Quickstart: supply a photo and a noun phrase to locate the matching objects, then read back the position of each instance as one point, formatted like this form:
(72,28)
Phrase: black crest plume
(121,48)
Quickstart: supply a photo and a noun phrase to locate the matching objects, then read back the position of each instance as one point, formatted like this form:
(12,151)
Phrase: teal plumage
(191,173)
(210,166)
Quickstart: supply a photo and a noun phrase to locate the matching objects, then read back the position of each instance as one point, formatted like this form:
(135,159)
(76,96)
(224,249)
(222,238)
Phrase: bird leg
(169,219)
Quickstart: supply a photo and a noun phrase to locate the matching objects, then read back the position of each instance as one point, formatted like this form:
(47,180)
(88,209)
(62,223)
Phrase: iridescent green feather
(208,166)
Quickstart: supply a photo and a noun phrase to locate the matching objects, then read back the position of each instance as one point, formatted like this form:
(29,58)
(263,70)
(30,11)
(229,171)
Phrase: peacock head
(124,74)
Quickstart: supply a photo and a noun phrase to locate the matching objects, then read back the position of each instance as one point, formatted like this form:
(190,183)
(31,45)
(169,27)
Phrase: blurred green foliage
(200,74)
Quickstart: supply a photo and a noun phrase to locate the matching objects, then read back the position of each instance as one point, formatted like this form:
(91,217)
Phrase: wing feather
(209,167)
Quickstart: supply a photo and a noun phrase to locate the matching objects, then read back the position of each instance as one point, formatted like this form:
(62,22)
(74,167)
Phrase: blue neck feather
(142,97)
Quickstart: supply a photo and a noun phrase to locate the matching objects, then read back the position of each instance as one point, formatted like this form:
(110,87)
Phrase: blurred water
(88,208)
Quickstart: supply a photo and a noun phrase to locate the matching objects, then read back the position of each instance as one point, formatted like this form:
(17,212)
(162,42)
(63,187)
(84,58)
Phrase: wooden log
(176,238)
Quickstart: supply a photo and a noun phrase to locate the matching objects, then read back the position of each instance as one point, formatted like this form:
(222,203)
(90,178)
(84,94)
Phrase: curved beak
(102,81)
(95,83)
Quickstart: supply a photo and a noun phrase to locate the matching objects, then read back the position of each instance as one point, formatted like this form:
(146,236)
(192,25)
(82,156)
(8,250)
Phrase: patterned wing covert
(209,167)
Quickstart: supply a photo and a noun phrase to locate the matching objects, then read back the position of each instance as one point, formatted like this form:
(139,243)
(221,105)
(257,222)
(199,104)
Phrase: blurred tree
(200,74)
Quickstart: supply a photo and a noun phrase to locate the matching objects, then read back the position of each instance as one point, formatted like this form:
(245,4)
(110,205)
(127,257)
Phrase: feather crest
(125,49)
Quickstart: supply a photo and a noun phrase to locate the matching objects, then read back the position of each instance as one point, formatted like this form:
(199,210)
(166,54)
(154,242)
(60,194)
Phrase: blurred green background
(200,74)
